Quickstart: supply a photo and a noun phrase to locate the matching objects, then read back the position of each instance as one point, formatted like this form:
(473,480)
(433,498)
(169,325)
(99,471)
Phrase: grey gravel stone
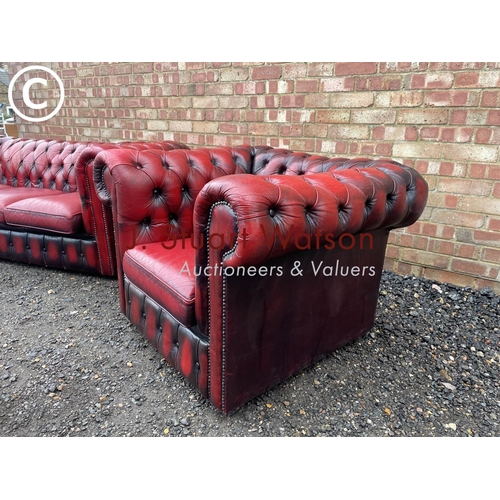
(72,365)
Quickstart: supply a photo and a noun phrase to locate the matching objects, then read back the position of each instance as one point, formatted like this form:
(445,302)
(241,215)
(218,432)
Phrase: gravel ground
(72,365)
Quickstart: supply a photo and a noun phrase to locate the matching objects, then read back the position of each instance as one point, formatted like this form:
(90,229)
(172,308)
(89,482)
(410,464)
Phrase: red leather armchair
(244,265)
(49,212)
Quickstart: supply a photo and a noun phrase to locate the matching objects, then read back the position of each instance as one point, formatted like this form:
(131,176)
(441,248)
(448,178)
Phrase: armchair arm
(261,328)
(279,214)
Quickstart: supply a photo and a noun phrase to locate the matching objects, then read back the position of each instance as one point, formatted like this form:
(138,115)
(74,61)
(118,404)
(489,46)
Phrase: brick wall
(440,118)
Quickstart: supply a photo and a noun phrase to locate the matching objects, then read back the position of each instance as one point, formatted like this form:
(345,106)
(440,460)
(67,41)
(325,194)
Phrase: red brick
(228,128)
(487,236)
(411,134)
(425,258)
(315,130)
(466,80)
(491,255)
(384,149)
(458,117)
(494,225)
(466,251)
(392,252)
(458,218)
(429,133)
(216,89)
(483,135)
(306,86)
(143,67)
(337,84)
(494,172)
(429,229)
(446,168)
(253,116)
(378,133)
(317,101)
(477,170)
(302,145)
(292,101)
(291,130)
(194,65)
(464,186)
(249,88)
(421,166)
(445,276)
(355,68)
(468,267)
(378,83)
(446,247)
(490,99)
(493,117)
(265,101)
(451,201)
(301,115)
(447,98)
(462,134)
(280,86)
(406,99)
(268,129)
(266,73)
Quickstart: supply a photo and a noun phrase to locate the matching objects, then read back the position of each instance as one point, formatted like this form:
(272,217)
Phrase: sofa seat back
(40,164)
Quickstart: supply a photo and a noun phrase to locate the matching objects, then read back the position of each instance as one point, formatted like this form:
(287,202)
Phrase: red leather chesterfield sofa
(49,212)
(244,265)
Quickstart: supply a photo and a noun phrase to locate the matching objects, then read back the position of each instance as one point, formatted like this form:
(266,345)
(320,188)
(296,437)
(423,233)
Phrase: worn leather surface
(158,271)
(36,168)
(49,250)
(10,195)
(184,348)
(60,213)
(243,208)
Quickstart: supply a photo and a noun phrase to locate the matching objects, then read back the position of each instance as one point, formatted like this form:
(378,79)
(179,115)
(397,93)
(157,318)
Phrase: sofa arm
(279,214)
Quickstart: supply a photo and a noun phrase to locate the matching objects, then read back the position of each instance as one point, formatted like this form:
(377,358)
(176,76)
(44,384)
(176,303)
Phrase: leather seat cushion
(157,271)
(10,194)
(59,213)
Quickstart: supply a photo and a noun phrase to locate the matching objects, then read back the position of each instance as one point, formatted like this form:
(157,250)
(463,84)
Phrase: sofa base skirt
(57,251)
(182,347)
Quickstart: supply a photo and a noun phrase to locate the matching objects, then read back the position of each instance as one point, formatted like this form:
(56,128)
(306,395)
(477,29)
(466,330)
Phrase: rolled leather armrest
(279,214)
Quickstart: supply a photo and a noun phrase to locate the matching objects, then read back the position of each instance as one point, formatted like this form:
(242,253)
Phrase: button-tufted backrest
(286,162)
(363,195)
(50,164)
(156,190)
(40,164)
